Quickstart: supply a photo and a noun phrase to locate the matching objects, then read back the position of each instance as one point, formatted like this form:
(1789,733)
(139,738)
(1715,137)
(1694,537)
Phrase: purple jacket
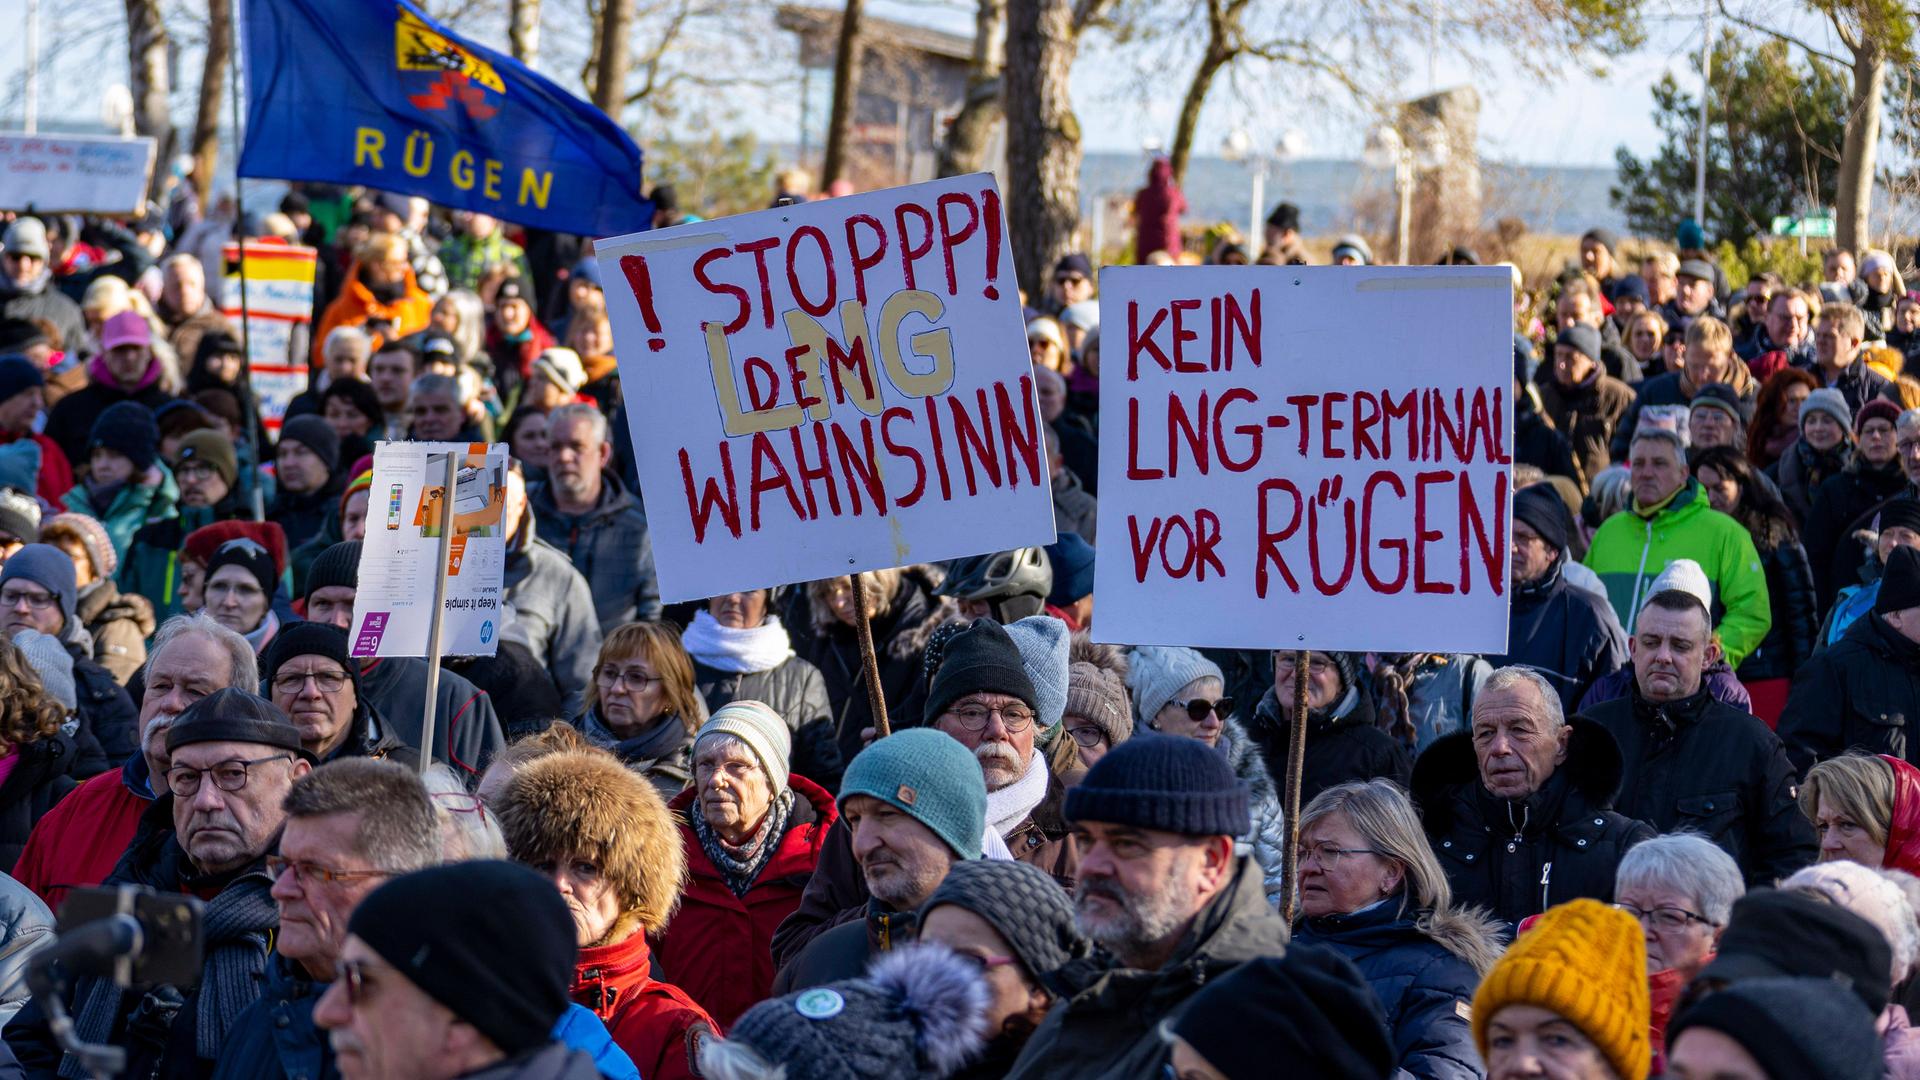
(1720,683)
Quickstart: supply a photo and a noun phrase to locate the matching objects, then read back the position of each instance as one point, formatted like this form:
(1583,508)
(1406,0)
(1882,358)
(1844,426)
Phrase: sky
(1577,120)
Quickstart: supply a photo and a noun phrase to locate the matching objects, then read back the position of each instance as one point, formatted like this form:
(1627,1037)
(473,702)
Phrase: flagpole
(443,552)
(256,497)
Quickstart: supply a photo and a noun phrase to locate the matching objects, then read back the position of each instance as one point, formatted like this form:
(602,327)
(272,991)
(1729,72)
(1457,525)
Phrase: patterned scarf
(740,866)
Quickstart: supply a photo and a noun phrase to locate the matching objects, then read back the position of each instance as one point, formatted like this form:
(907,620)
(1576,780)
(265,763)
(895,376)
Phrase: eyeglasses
(184,780)
(314,872)
(459,802)
(1328,855)
(352,974)
(1666,919)
(290,683)
(194,470)
(1317,665)
(1088,737)
(973,718)
(1198,708)
(37,600)
(984,963)
(637,678)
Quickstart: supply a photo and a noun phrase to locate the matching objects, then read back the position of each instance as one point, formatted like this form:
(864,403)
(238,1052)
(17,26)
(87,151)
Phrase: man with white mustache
(80,840)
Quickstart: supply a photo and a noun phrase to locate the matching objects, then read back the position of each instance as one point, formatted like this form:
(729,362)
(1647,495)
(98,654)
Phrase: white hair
(464,835)
(1507,678)
(731,1059)
(343,338)
(589,415)
(1689,863)
(244,670)
(1872,897)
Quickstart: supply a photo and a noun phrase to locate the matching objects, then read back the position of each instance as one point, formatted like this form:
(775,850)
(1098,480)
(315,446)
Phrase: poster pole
(439,610)
(869,666)
(1296,754)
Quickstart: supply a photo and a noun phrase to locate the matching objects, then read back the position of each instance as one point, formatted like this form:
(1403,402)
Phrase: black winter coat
(275,1038)
(899,644)
(1796,616)
(797,692)
(1350,747)
(1424,979)
(40,779)
(1521,857)
(1568,635)
(1700,765)
(1862,693)
(1838,502)
(106,712)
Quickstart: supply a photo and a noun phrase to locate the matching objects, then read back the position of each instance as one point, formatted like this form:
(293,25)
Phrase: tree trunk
(1043,137)
(965,148)
(213,86)
(1216,57)
(846,90)
(523,30)
(147,64)
(610,64)
(1855,195)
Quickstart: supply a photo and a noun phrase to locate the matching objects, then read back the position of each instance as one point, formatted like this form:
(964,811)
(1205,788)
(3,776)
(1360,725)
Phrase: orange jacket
(356,304)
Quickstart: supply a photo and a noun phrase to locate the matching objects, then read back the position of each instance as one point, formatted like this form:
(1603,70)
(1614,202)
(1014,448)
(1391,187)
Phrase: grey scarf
(238,928)
(740,869)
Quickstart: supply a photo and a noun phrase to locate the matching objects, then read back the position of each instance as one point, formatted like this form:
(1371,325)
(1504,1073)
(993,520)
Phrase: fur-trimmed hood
(1594,769)
(1249,764)
(585,804)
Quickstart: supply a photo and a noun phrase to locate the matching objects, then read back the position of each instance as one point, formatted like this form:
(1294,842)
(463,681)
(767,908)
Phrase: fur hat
(584,803)
(1097,687)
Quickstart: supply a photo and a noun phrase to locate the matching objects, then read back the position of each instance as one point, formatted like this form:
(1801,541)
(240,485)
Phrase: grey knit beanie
(1830,401)
(1156,673)
(52,662)
(1042,641)
(1022,903)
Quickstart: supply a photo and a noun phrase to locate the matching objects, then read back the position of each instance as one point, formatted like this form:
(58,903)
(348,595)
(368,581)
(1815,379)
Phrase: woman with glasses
(1371,889)
(36,755)
(741,652)
(1681,887)
(1343,741)
(642,704)
(1180,692)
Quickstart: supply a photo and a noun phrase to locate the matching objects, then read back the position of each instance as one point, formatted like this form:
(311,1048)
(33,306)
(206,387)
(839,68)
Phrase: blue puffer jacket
(1424,978)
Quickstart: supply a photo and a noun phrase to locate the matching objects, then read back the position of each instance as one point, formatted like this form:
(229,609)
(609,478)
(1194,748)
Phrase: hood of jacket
(1249,764)
(103,601)
(1448,769)
(1470,934)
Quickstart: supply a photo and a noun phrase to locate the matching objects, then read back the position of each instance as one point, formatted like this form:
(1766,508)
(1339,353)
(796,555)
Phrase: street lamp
(1387,148)
(1238,147)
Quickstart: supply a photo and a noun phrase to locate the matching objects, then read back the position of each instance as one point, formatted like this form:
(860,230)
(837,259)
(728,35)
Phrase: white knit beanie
(1156,673)
(765,733)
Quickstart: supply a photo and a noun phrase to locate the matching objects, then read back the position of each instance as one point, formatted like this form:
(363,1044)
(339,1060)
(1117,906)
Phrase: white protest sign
(393,604)
(279,300)
(1305,457)
(74,174)
(829,387)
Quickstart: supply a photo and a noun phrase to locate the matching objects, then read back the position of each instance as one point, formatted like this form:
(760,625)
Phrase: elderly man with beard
(584,510)
(914,804)
(232,759)
(1164,898)
(81,839)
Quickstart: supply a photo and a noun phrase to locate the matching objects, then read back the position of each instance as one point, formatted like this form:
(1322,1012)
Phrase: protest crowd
(677,840)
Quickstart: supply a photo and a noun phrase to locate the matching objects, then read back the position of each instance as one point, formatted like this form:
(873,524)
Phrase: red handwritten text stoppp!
(790,440)
(1407,512)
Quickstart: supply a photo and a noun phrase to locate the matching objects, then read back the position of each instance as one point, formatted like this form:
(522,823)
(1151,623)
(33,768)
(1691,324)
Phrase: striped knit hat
(1585,961)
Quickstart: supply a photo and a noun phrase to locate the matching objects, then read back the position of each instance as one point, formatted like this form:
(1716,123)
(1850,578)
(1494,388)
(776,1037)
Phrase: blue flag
(373,92)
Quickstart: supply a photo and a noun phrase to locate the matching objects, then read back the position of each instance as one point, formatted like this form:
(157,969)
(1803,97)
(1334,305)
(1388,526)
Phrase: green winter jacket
(1630,550)
(134,506)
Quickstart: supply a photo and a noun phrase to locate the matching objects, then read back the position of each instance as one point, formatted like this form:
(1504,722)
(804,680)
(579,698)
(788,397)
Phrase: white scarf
(757,648)
(1012,805)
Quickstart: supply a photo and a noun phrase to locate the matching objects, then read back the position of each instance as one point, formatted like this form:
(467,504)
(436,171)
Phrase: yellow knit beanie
(1587,962)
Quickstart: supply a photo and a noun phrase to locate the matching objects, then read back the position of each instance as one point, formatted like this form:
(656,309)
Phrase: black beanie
(1792,1027)
(1163,782)
(1285,217)
(979,659)
(128,428)
(309,639)
(249,553)
(316,435)
(490,940)
(231,714)
(337,565)
(1903,513)
(1312,1008)
(1900,581)
(1544,513)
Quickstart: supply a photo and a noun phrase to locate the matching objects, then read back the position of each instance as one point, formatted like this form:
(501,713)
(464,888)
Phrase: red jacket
(719,947)
(79,841)
(647,1018)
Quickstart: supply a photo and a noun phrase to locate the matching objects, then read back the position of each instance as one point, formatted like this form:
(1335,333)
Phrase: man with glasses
(37,592)
(351,825)
(79,841)
(27,291)
(1163,895)
(311,677)
(1072,282)
(232,759)
(1519,807)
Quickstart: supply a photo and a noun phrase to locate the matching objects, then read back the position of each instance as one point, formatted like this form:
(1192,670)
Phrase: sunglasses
(1198,708)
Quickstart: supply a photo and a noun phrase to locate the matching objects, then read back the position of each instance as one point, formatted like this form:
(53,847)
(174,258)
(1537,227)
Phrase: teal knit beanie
(929,776)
